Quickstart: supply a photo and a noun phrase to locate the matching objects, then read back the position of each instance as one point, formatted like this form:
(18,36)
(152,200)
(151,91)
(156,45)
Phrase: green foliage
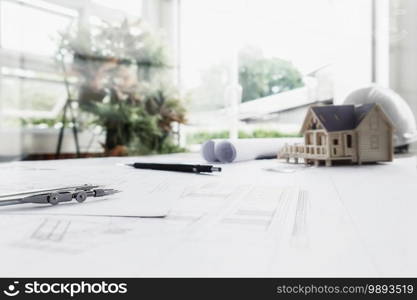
(138,148)
(261,133)
(143,125)
(202,136)
(261,77)
(129,43)
(49,123)
(121,68)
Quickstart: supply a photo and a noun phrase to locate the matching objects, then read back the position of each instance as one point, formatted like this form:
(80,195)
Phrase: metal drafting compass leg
(56,196)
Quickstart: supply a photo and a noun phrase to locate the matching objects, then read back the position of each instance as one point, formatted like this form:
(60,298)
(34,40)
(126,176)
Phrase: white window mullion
(151,12)
(353,44)
(1,76)
(381,31)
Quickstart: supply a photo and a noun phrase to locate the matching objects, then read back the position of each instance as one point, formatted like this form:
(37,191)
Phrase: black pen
(177,167)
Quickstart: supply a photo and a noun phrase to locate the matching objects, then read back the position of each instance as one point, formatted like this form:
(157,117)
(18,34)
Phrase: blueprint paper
(143,193)
(227,151)
(265,224)
(152,246)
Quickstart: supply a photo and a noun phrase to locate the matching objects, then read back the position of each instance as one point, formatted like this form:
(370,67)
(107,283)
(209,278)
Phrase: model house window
(349,141)
(334,151)
(335,142)
(374,142)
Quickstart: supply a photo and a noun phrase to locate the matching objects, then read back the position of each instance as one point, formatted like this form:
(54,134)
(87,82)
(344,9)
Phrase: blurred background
(88,78)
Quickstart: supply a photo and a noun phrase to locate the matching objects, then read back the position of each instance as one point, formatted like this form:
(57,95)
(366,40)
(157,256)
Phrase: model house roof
(342,117)
(362,110)
(336,117)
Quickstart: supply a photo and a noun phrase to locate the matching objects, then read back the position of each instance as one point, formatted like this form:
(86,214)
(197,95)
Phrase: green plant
(121,70)
(202,136)
(47,123)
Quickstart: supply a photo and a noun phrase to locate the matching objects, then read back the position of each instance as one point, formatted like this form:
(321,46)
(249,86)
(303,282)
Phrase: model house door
(348,144)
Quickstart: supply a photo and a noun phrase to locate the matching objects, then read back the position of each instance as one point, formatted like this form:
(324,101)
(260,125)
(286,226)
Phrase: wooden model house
(343,132)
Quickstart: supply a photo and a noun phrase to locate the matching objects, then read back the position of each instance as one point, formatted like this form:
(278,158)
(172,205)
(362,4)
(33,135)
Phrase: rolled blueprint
(207,150)
(227,151)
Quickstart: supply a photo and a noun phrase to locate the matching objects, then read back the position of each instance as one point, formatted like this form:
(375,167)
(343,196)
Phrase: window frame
(21,60)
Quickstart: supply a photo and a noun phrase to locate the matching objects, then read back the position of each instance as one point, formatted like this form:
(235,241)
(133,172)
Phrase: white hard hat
(394,106)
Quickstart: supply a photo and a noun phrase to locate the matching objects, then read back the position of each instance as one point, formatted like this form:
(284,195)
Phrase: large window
(32,28)
(32,89)
(285,54)
(31,78)
(287,36)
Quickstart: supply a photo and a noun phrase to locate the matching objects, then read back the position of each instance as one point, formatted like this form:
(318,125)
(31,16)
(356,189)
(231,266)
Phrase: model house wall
(375,137)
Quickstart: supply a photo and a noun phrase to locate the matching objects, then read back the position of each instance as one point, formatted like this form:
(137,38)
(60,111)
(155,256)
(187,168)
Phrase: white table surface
(246,221)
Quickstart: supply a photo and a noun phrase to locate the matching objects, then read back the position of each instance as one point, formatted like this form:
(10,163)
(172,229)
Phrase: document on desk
(246,222)
(203,213)
(238,223)
(143,193)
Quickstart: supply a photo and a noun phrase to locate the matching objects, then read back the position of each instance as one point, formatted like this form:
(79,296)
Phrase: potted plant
(121,71)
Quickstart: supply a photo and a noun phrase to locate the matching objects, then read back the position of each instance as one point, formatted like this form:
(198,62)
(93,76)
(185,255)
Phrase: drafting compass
(55,196)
